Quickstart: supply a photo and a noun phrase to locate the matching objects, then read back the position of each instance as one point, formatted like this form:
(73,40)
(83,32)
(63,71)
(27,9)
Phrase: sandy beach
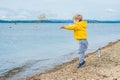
(107,67)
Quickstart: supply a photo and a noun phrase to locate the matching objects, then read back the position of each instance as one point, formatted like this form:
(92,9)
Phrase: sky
(59,9)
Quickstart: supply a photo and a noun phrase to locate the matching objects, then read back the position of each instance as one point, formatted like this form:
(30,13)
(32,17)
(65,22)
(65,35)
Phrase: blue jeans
(83,45)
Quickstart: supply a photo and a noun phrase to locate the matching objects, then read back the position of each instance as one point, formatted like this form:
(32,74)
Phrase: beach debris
(115,79)
(99,52)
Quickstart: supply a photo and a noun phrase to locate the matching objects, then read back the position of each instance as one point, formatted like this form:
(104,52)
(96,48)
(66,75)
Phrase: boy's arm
(70,27)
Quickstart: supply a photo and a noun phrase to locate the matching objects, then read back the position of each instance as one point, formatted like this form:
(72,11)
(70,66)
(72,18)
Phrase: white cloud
(3,17)
(111,10)
(23,14)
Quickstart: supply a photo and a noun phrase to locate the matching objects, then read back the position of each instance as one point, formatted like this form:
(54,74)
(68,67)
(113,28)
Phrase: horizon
(54,19)
(57,21)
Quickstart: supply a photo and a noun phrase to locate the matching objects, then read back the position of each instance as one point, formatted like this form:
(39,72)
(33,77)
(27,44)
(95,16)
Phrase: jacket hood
(82,23)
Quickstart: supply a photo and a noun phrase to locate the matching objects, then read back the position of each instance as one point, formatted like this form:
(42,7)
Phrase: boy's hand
(62,27)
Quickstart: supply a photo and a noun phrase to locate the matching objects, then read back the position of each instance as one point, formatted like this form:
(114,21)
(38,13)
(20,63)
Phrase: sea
(30,48)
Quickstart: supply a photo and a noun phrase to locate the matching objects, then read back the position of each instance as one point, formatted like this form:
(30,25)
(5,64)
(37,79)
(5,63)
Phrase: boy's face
(75,20)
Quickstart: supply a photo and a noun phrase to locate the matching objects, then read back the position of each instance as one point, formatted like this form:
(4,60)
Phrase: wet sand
(107,67)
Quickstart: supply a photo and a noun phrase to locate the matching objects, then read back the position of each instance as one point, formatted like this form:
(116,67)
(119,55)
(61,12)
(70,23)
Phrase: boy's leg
(83,44)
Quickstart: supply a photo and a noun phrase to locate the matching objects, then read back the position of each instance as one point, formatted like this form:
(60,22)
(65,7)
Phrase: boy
(80,34)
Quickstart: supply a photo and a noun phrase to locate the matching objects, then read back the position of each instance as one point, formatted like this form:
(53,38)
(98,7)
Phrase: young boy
(80,34)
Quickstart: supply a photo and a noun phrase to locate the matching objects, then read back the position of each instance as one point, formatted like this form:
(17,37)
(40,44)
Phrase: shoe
(81,64)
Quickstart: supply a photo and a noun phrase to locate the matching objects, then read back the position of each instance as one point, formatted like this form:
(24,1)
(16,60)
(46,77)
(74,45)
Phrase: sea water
(36,47)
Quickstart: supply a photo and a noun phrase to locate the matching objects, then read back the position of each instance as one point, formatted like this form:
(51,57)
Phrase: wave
(11,72)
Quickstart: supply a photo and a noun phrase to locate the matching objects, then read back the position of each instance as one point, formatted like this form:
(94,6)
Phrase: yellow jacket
(79,30)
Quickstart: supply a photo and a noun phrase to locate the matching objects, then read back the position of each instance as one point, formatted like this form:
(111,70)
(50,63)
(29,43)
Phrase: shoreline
(67,70)
(58,68)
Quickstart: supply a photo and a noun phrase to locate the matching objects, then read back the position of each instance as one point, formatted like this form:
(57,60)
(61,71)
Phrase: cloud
(111,10)
(3,17)
(23,14)
(13,14)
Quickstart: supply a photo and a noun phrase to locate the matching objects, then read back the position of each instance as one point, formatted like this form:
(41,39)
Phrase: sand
(107,67)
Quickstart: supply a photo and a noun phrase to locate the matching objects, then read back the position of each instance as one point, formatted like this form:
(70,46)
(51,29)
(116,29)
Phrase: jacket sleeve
(70,27)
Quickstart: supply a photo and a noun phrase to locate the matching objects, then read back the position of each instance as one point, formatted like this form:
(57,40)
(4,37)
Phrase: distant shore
(56,21)
(107,67)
